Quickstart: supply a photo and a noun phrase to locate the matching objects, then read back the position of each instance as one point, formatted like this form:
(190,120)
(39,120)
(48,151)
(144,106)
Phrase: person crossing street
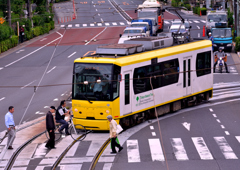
(9,122)
(113,135)
(50,126)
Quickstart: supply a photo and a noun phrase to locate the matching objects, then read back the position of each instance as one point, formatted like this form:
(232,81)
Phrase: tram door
(127,107)
(187,75)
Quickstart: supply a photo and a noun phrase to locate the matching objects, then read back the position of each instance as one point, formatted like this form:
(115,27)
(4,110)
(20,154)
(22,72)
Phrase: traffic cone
(200,13)
(203,34)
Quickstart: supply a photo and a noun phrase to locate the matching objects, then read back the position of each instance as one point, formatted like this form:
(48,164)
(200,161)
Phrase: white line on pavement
(222,127)
(20,51)
(218,120)
(211,110)
(27,84)
(198,34)
(43,39)
(55,99)
(133,151)
(72,54)
(98,14)
(153,134)
(2,98)
(151,127)
(46,107)
(198,27)
(51,69)
(35,50)
(1,68)
(178,149)
(202,148)
(94,6)
(156,150)
(96,36)
(214,115)
(96,9)
(225,148)
(101,19)
(227,133)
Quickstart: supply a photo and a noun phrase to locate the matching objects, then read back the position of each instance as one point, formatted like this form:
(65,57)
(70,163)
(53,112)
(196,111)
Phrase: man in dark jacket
(50,125)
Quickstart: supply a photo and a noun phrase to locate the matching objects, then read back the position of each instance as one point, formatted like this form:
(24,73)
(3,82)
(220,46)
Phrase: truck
(132,32)
(154,4)
(222,37)
(143,23)
(214,17)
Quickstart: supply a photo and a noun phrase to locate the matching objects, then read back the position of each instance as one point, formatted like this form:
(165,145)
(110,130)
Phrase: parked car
(132,32)
(178,22)
(180,33)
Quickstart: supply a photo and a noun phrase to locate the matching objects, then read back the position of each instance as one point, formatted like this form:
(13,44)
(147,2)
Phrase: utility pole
(29,9)
(9,13)
(236,20)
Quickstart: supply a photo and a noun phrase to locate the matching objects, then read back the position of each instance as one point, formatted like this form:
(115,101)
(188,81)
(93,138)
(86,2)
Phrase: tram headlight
(215,45)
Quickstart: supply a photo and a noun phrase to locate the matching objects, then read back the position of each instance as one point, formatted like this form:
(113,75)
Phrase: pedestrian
(21,32)
(61,112)
(211,39)
(9,122)
(113,135)
(50,126)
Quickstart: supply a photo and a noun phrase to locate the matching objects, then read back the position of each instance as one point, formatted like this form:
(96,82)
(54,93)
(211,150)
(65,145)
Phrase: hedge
(8,43)
(5,32)
(196,10)
(237,46)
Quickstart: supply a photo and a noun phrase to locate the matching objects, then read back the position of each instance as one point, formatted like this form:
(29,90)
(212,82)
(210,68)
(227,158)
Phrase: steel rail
(99,153)
(121,11)
(17,152)
(59,159)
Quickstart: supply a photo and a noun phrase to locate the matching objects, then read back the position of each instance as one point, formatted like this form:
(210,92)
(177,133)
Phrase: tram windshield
(107,87)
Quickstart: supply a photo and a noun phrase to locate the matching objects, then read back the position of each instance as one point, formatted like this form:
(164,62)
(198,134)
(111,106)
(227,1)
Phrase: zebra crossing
(94,25)
(190,21)
(178,149)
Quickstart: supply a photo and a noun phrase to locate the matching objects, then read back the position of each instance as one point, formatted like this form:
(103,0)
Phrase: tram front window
(93,91)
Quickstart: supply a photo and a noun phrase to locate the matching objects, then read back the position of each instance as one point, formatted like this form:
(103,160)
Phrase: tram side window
(127,89)
(139,80)
(203,64)
(170,71)
(115,83)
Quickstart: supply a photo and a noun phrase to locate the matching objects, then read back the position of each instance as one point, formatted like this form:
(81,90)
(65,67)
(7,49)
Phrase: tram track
(18,151)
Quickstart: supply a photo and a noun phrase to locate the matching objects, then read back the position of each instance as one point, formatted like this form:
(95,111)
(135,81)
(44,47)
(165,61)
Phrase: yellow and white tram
(181,76)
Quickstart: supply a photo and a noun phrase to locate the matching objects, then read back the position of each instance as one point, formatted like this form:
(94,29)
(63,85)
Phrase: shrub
(47,27)
(203,11)
(14,41)
(29,34)
(237,46)
(52,25)
(37,31)
(188,6)
(27,23)
(5,32)
(38,20)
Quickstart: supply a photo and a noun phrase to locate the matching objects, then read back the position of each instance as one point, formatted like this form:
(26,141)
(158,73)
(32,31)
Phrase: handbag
(119,129)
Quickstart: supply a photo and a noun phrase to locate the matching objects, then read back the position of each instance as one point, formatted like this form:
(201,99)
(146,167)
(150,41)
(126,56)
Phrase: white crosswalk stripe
(202,148)
(133,151)
(107,24)
(121,23)
(62,26)
(178,149)
(166,22)
(156,150)
(99,24)
(203,21)
(92,25)
(225,148)
(195,21)
(77,25)
(70,25)
(190,22)
(114,23)
(84,25)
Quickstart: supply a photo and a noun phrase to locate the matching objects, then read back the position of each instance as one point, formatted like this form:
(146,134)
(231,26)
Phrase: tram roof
(145,56)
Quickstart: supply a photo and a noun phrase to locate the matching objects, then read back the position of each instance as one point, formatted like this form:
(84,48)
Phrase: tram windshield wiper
(86,98)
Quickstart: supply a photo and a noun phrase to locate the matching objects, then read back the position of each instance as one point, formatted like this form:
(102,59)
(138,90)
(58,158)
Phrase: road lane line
(27,84)
(153,134)
(222,127)
(43,39)
(101,19)
(178,149)
(238,138)
(133,151)
(151,127)
(96,35)
(20,51)
(2,98)
(225,148)
(198,27)
(34,51)
(72,54)
(1,68)
(96,9)
(214,115)
(156,150)
(227,133)
(51,69)
(218,120)
(196,21)
(198,35)
(211,110)
(202,148)
(98,14)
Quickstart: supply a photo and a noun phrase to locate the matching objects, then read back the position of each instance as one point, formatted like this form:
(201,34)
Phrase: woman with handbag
(113,135)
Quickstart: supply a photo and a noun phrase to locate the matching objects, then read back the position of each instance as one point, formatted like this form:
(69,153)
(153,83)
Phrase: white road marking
(151,127)
(84,25)
(186,125)
(218,120)
(166,22)
(156,150)
(27,84)
(214,115)
(20,51)
(238,138)
(120,13)
(98,14)
(94,6)
(77,25)
(45,107)
(99,24)
(43,39)
(211,110)
(94,146)
(222,127)
(2,98)
(35,50)
(196,21)
(227,133)
(51,69)
(62,25)
(91,25)
(153,134)
(190,22)
(70,25)
(96,36)
(55,99)
(198,34)
(107,24)
(203,21)
(107,166)
(114,23)
(96,9)
(101,19)
(121,23)
(225,148)
(198,27)
(178,149)
(37,112)
(202,148)
(1,68)
(72,54)
(133,151)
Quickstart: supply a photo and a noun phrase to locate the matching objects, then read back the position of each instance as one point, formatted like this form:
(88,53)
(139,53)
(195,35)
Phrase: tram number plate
(222,47)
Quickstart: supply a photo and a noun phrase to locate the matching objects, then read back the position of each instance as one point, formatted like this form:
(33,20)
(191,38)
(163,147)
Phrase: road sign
(2,20)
